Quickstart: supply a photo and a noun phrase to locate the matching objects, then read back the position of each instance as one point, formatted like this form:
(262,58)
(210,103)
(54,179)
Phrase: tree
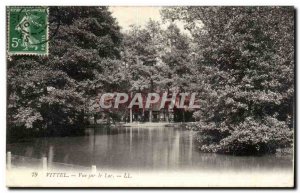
(159,59)
(142,56)
(245,63)
(179,61)
(51,94)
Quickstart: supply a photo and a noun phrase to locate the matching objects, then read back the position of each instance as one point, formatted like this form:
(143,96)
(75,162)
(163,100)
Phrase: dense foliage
(51,95)
(245,64)
(158,60)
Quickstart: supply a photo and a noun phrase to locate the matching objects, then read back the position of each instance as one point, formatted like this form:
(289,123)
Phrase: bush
(246,138)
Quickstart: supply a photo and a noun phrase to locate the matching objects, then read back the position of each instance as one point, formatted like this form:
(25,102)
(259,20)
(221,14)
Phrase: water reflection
(142,149)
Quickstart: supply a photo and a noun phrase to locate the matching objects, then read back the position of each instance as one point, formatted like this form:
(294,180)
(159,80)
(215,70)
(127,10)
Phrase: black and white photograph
(150,96)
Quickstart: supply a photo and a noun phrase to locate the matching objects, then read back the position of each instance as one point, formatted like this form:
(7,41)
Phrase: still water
(161,148)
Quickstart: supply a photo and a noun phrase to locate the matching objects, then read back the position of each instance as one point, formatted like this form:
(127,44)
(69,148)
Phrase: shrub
(248,137)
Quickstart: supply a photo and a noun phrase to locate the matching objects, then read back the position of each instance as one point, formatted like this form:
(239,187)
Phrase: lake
(145,148)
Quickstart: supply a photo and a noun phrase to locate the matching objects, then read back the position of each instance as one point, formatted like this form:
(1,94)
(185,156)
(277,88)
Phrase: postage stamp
(27,30)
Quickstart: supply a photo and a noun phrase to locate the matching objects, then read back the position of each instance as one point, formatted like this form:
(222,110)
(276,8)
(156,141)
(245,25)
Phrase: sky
(127,16)
(139,15)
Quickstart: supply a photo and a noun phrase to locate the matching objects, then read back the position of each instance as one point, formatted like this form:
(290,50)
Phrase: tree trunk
(130,115)
(167,115)
(150,114)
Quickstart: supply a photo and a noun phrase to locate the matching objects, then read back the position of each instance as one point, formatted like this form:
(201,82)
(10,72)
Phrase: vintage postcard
(179,96)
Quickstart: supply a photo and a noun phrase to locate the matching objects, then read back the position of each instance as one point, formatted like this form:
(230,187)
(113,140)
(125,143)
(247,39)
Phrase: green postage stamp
(27,30)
